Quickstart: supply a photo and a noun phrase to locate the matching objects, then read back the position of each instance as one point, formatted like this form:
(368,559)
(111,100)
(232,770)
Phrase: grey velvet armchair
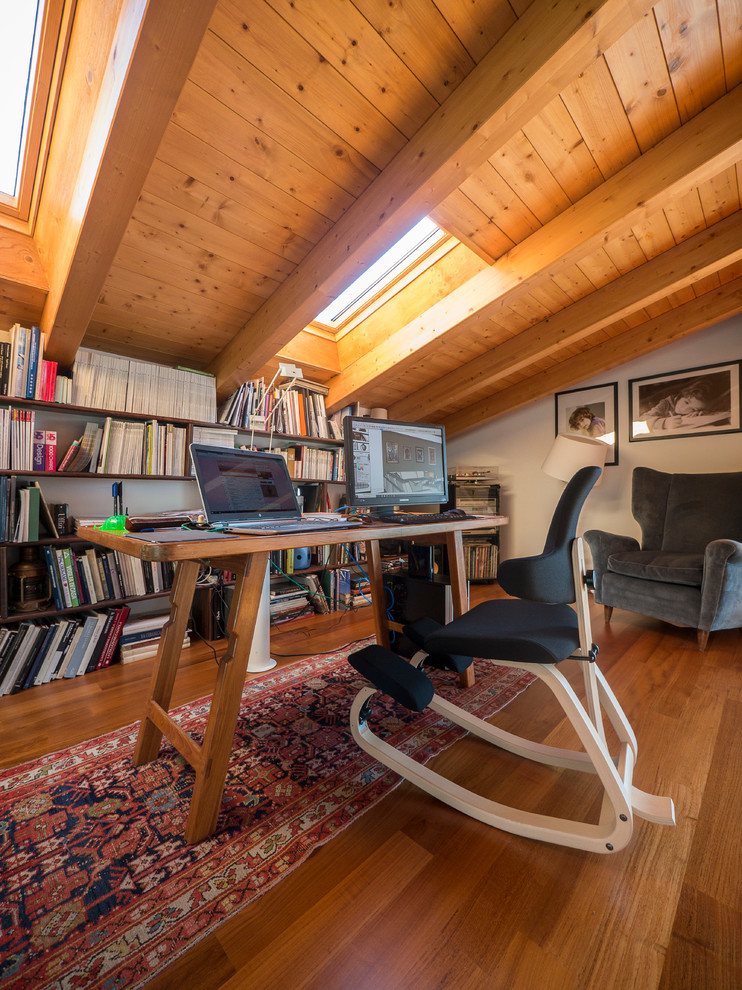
(688,568)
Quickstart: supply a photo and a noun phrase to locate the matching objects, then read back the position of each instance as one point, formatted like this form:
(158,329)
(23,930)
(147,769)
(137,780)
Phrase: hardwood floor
(414,895)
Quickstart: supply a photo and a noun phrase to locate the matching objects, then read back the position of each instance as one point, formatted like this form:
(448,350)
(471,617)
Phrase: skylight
(407,249)
(18,50)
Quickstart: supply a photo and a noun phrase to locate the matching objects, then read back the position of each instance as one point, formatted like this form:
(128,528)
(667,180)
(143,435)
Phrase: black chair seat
(511,629)
(419,630)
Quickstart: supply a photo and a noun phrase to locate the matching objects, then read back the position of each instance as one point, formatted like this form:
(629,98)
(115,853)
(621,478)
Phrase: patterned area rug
(97,885)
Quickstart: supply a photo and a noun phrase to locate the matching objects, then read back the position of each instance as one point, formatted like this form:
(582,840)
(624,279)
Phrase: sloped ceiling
(220,170)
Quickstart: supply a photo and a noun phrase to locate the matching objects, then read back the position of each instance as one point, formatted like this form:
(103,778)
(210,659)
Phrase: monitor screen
(389,463)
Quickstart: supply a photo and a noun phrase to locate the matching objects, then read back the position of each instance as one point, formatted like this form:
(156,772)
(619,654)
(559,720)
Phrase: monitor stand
(260,651)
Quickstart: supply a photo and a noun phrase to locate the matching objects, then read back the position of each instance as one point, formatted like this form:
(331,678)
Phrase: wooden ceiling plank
(730,18)
(230,178)
(187,227)
(342,35)
(522,73)
(720,196)
(442,63)
(161,246)
(639,71)
(477,26)
(596,108)
(518,163)
(277,50)
(237,84)
(701,148)
(711,308)
(168,300)
(189,194)
(201,114)
(458,215)
(501,204)
(557,141)
(689,30)
(150,58)
(130,259)
(678,268)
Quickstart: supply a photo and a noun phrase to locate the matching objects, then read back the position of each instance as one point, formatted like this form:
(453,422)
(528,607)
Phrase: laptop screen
(243,485)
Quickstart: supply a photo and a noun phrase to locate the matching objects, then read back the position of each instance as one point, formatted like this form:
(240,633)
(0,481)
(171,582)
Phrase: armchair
(688,568)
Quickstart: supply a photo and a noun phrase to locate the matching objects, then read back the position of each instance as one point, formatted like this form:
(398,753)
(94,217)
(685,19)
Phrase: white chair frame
(621,799)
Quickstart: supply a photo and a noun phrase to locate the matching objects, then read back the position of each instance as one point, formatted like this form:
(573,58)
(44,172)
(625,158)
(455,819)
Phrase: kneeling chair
(535,631)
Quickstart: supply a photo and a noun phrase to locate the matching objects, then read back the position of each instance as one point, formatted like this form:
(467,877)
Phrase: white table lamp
(570,452)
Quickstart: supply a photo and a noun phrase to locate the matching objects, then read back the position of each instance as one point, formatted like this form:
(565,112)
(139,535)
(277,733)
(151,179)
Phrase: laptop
(247,491)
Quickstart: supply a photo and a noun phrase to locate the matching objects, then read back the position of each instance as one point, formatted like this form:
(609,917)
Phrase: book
(78,656)
(50,450)
(59,628)
(28,674)
(32,361)
(64,583)
(109,615)
(92,559)
(109,647)
(71,576)
(129,654)
(54,579)
(38,453)
(70,651)
(51,668)
(21,647)
(46,518)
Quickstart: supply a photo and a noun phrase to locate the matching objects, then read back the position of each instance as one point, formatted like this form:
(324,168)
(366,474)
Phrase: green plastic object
(114,524)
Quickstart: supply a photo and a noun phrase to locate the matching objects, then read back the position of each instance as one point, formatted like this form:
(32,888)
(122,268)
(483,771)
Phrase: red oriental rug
(98,887)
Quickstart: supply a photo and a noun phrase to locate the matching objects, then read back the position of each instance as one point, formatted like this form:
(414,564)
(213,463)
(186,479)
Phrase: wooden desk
(247,557)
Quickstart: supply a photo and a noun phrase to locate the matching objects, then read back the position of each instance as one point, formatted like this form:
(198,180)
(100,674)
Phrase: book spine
(50,450)
(32,358)
(106,656)
(38,459)
(54,577)
(70,574)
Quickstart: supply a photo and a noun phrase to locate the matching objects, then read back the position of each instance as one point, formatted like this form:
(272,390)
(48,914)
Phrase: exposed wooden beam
(707,252)
(82,220)
(549,45)
(20,264)
(702,148)
(718,304)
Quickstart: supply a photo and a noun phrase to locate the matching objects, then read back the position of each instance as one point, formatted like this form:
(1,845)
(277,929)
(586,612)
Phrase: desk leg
(376,582)
(225,704)
(166,665)
(459,589)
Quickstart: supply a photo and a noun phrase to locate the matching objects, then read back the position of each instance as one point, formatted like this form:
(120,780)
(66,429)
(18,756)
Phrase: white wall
(518,443)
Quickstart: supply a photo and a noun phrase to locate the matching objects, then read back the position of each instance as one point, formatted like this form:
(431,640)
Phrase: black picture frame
(693,402)
(601,403)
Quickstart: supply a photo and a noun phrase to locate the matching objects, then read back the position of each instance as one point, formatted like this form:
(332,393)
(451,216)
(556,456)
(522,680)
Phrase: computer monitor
(390,464)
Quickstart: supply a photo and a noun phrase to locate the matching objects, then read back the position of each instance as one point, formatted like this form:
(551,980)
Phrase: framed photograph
(431,455)
(392,452)
(407,453)
(691,403)
(420,455)
(590,412)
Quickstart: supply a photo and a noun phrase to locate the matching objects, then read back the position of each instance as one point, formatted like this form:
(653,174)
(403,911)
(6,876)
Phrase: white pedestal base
(260,651)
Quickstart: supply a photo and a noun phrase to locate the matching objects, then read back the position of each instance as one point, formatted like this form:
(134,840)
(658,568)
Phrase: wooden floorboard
(414,895)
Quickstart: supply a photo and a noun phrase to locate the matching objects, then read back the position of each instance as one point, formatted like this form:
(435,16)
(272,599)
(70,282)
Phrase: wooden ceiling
(219,171)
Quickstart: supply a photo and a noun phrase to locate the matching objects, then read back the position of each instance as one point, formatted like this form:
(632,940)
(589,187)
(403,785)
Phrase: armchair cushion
(658,565)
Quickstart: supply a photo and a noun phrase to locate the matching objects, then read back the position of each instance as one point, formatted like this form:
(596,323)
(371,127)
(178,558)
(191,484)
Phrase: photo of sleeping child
(705,400)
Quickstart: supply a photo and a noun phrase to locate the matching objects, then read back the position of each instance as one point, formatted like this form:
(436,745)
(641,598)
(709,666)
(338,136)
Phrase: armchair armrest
(602,545)
(721,591)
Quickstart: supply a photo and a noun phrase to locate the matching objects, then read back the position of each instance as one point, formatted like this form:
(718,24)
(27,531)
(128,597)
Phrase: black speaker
(427,560)
(408,598)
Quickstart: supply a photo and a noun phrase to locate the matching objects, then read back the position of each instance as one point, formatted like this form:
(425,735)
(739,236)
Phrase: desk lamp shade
(570,452)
